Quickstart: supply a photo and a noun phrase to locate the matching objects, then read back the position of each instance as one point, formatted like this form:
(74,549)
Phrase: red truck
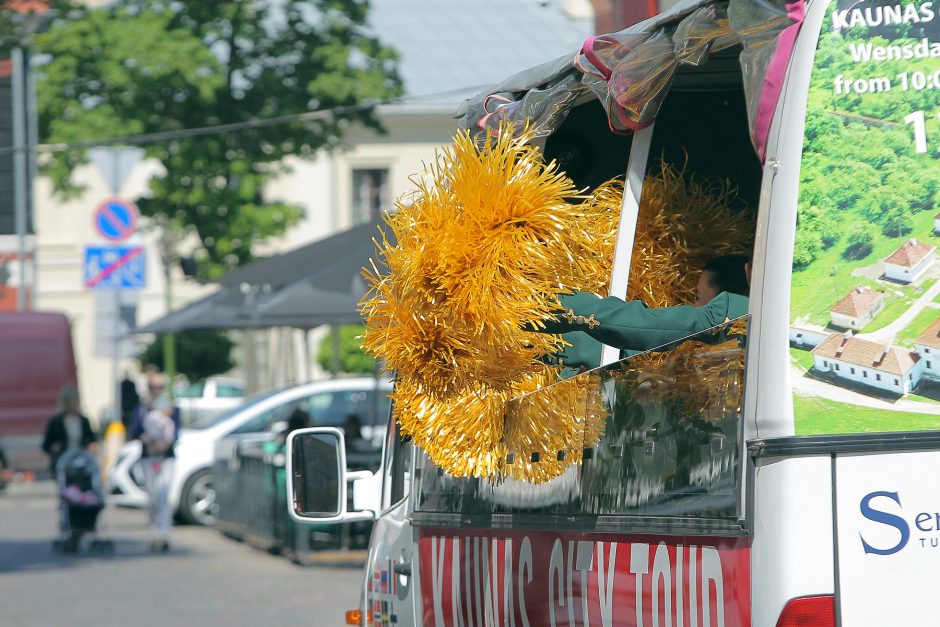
(36,362)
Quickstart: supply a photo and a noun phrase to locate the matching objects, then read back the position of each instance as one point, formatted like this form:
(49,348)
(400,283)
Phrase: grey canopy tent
(313,285)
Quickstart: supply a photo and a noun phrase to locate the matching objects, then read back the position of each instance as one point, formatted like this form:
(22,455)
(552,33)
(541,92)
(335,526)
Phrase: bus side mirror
(317,477)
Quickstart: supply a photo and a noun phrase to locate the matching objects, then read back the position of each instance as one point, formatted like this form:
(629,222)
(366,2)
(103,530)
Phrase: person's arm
(634,326)
(177,421)
(583,353)
(88,433)
(89,438)
(137,423)
(54,439)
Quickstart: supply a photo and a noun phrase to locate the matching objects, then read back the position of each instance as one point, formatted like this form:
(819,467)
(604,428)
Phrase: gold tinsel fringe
(484,245)
(682,223)
(490,237)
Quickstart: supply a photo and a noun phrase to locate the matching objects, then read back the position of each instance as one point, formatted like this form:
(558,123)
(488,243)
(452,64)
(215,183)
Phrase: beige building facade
(447,54)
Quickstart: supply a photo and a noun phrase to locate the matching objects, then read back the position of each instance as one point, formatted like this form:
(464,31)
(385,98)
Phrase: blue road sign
(116,219)
(115,268)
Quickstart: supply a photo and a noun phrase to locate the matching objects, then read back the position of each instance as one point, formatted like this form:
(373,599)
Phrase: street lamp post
(28,23)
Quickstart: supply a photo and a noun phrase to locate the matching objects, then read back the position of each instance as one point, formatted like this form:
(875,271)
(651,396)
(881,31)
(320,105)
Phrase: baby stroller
(80,502)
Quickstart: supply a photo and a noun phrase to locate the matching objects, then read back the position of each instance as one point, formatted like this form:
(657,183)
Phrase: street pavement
(205,579)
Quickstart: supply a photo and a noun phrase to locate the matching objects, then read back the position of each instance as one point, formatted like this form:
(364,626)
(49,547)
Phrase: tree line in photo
(861,177)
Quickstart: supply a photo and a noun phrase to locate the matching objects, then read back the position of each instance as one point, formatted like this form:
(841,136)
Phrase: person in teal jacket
(589,321)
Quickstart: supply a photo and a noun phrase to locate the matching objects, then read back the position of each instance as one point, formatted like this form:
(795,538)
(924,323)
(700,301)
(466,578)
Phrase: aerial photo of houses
(879,345)
(865,295)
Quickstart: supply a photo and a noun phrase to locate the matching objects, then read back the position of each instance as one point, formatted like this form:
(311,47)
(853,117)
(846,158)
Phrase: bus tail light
(354,617)
(815,611)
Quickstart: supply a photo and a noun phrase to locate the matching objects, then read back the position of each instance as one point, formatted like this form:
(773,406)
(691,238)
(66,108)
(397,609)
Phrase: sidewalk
(205,579)
(29,489)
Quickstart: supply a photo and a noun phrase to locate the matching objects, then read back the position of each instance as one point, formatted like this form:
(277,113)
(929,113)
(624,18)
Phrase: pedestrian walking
(156,424)
(129,400)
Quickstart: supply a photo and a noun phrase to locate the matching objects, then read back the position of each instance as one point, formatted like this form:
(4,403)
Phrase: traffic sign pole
(169,339)
(116,220)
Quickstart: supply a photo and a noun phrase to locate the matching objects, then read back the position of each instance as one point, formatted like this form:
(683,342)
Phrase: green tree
(351,358)
(155,66)
(859,243)
(805,249)
(897,223)
(199,354)
(20,20)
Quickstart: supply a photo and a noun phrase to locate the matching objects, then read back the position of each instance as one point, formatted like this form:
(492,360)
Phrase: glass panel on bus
(669,443)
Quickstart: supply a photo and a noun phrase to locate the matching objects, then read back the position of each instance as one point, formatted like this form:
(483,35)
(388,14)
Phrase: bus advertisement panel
(865,298)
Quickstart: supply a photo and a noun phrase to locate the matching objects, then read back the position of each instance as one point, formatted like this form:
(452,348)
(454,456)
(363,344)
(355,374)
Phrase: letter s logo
(886,519)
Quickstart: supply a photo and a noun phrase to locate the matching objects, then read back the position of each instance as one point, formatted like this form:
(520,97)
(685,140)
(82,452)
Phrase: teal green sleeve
(583,352)
(634,326)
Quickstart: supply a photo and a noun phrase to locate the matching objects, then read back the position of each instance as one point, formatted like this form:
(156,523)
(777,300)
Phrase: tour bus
(803,494)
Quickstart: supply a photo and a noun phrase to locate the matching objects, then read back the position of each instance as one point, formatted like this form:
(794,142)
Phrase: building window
(865,373)
(928,364)
(896,383)
(837,366)
(927,350)
(825,364)
(877,377)
(370,194)
(852,370)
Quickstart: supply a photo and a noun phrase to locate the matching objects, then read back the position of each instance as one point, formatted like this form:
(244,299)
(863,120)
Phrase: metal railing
(251,498)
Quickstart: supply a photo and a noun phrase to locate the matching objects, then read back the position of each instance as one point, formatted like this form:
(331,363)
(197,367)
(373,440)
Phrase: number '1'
(920,130)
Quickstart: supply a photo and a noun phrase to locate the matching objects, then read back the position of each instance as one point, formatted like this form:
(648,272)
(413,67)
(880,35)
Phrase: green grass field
(821,415)
(804,358)
(820,285)
(917,326)
(897,305)
(921,399)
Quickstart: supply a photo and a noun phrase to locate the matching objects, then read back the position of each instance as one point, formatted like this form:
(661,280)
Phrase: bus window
(669,445)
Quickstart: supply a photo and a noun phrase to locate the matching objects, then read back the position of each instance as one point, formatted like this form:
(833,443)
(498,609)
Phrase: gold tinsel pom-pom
(683,222)
(486,242)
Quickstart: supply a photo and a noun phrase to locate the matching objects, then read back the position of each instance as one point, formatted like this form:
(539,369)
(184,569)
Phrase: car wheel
(197,502)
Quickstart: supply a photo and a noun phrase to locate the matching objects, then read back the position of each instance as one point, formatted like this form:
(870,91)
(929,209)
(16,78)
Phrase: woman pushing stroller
(68,430)
(71,445)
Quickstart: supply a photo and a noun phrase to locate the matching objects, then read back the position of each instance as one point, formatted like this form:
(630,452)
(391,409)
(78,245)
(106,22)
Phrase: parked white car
(202,400)
(327,402)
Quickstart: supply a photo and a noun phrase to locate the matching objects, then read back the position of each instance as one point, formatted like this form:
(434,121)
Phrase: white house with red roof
(807,336)
(870,363)
(857,308)
(910,261)
(928,347)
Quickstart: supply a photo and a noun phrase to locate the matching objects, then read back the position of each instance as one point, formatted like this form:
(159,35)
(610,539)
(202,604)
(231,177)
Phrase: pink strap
(587,49)
(774,77)
(481,123)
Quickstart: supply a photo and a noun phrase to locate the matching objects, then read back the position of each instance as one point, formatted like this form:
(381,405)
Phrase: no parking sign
(116,220)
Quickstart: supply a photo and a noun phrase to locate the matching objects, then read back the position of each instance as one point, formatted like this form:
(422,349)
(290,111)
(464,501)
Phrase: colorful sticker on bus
(865,298)
(525,578)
